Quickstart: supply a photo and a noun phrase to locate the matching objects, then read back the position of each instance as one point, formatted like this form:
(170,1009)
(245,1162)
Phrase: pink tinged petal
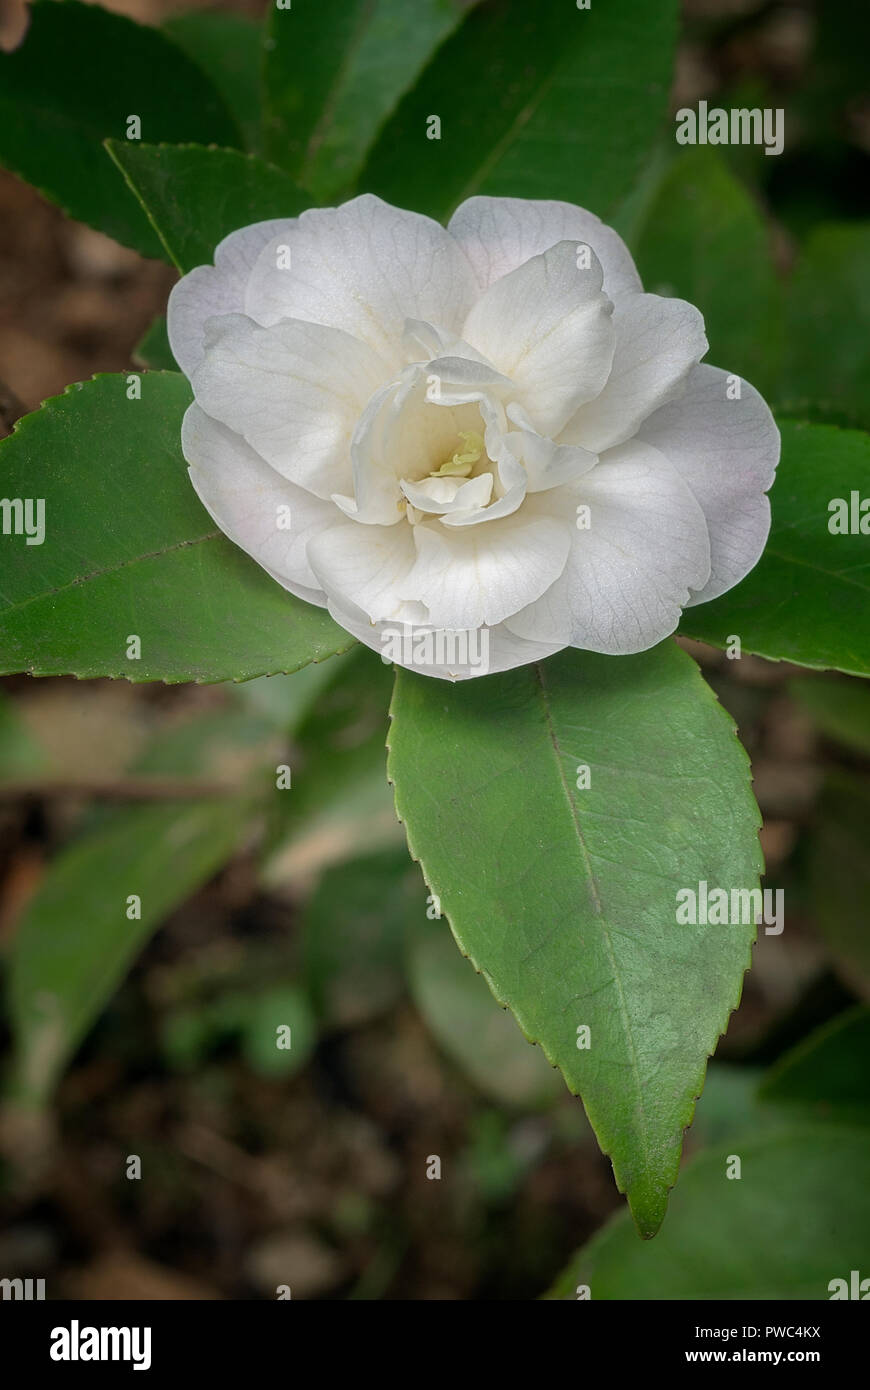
(264,514)
(481,574)
(630,574)
(657,343)
(504,650)
(294,391)
(217,289)
(727,451)
(365,268)
(548,327)
(365,565)
(500,234)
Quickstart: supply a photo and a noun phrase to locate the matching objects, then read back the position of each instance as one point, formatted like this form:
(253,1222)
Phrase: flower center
(463,460)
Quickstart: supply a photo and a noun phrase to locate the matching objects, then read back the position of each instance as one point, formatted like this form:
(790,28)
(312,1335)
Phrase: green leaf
(806,599)
(730,1106)
(268,1051)
(21,756)
(840,709)
(195,196)
(153,350)
(80,73)
(233,748)
(535,101)
(827,1072)
(705,240)
(339,805)
(795,1220)
(75,942)
(285,701)
(129,550)
(827,366)
(839,873)
(229,49)
(483,1040)
(565,899)
(335,69)
(353,931)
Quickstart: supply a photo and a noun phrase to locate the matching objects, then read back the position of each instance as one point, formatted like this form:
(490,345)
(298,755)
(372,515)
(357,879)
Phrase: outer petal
(294,391)
(629,575)
(499,234)
(482,574)
(547,326)
(657,343)
(502,649)
(243,495)
(365,565)
(364,267)
(727,452)
(217,289)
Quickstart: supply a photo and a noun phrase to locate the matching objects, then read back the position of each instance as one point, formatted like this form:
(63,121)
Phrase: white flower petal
(449,494)
(365,565)
(727,452)
(422,342)
(512,483)
(629,575)
(294,391)
(503,649)
(364,267)
(548,327)
(217,289)
(482,574)
(657,343)
(457,380)
(499,234)
(248,500)
(547,464)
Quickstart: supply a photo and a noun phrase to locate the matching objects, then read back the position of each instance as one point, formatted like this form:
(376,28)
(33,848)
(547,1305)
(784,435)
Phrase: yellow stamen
(461,464)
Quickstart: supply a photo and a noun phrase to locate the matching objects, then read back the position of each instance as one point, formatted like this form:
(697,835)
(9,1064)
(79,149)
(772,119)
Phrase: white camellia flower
(474,445)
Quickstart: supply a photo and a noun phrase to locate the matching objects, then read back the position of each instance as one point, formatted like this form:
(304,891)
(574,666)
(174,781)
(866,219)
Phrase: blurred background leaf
(839,876)
(334,71)
(826,373)
(76,941)
(826,1074)
(80,73)
(153,350)
(839,708)
(515,89)
(229,49)
(482,1039)
(353,934)
(796,1218)
(704,239)
(340,804)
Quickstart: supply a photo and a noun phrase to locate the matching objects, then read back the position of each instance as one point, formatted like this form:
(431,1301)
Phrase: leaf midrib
(109,569)
(605,929)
